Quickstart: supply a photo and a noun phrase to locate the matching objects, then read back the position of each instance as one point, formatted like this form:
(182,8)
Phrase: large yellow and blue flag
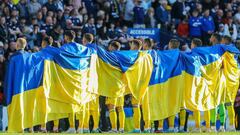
(50,84)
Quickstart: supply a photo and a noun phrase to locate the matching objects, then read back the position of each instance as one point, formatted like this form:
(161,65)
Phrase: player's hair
(197,42)
(116,45)
(89,37)
(228,39)
(149,42)
(22,43)
(217,37)
(175,43)
(71,34)
(136,42)
(48,39)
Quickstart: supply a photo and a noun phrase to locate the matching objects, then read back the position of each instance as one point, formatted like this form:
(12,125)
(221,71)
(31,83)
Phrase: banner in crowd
(50,84)
(153,33)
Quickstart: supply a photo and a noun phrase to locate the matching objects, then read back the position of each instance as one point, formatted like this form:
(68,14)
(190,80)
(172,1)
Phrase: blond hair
(21,43)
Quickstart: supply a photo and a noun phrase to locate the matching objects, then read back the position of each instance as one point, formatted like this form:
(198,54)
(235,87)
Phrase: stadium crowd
(105,22)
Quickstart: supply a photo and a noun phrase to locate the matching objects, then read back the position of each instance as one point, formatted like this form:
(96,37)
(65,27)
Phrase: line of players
(115,105)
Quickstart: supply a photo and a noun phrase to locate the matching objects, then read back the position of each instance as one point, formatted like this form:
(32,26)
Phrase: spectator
(59,5)
(111,32)
(13,26)
(207,4)
(60,18)
(33,7)
(90,6)
(101,29)
(3,30)
(39,18)
(48,25)
(23,10)
(11,49)
(138,15)
(208,27)
(199,7)
(124,38)
(114,11)
(162,15)
(56,35)
(183,28)
(230,29)
(75,20)
(50,6)
(150,21)
(179,12)
(22,24)
(228,16)
(32,36)
(128,15)
(155,4)
(89,27)
(2,51)
(44,11)
(237,15)
(76,3)
(220,30)
(218,18)
(42,2)
(195,25)
(213,11)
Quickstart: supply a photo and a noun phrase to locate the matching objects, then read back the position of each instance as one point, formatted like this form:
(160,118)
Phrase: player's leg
(231,115)
(136,115)
(207,120)
(71,119)
(196,115)
(171,121)
(213,119)
(222,113)
(160,126)
(121,113)
(111,102)
(182,119)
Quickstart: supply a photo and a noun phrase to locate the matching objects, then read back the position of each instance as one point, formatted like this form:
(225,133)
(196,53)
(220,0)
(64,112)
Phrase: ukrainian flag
(197,80)
(50,84)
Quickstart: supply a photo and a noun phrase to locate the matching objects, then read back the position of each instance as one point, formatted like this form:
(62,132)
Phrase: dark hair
(89,37)
(217,37)
(197,42)
(175,43)
(228,39)
(149,42)
(48,39)
(116,45)
(71,34)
